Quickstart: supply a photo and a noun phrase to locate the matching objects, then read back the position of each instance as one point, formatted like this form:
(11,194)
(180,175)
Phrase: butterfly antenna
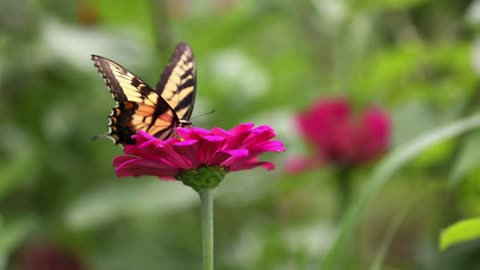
(203,114)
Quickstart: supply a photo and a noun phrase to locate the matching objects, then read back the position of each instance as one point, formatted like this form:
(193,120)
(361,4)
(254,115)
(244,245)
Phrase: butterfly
(157,111)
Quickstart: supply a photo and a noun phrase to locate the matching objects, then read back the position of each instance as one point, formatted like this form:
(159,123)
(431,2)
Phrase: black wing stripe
(184,103)
(189,82)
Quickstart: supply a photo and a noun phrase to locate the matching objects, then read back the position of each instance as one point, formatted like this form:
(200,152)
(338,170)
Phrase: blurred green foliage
(259,61)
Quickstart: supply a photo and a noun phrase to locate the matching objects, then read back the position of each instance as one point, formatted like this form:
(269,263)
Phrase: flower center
(205,177)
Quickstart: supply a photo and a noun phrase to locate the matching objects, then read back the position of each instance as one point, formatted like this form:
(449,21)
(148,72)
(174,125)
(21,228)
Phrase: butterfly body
(157,111)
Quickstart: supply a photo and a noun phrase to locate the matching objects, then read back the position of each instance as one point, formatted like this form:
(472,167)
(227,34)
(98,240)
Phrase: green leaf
(391,164)
(462,231)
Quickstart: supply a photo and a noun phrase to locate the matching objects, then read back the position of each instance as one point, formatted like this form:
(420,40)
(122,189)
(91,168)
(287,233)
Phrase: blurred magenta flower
(341,137)
(233,150)
(48,256)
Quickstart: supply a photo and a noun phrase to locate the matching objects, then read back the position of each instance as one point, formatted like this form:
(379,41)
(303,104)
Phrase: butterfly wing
(138,106)
(177,84)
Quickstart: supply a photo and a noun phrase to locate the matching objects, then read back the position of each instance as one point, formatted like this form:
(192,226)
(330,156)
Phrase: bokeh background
(257,61)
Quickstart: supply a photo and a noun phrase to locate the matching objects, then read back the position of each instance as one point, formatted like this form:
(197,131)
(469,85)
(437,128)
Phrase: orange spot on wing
(129,105)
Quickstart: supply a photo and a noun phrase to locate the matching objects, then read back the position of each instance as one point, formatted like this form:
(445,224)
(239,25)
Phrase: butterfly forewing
(177,84)
(138,107)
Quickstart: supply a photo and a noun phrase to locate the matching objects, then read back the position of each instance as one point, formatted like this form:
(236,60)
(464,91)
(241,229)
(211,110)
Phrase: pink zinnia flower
(233,150)
(341,137)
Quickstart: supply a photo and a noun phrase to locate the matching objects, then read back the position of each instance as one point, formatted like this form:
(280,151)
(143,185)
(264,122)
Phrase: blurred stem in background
(339,65)
(344,190)
(343,183)
(450,195)
(161,26)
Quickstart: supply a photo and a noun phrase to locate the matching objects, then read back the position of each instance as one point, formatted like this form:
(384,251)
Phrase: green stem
(344,190)
(206,199)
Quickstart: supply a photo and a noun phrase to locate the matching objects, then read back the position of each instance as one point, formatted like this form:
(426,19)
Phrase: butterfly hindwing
(177,84)
(138,107)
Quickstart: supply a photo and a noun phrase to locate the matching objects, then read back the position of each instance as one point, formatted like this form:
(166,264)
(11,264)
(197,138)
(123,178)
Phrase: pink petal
(146,153)
(318,124)
(221,132)
(264,129)
(242,128)
(237,140)
(238,153)
(189,150)
(210,145)
(218,158)
(232,156)
(117,161)
(236,156)
(173,157)
(271,146)
(297,164)
(258,137)
(250,165)
(137,167)
(142,137)
(193,133)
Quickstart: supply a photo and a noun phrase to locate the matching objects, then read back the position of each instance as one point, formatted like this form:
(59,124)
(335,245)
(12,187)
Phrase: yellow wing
(177,84)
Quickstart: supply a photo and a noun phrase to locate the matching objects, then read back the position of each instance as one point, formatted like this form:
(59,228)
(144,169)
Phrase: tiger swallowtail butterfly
(157,111)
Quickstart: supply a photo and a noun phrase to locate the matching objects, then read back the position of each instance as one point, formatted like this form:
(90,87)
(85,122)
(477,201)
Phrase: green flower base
(207,177)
